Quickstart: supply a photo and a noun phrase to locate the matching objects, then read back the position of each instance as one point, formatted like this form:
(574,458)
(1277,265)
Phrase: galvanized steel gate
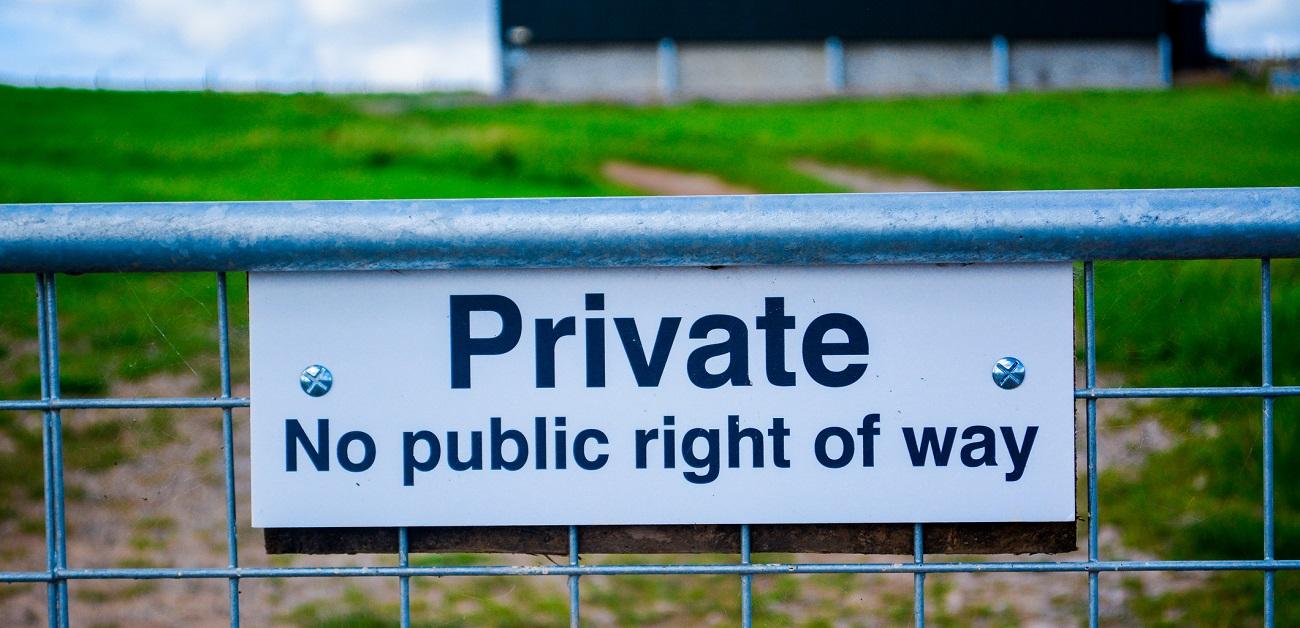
(696,231)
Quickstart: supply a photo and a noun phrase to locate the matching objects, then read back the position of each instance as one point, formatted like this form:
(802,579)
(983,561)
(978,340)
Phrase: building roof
(608,21)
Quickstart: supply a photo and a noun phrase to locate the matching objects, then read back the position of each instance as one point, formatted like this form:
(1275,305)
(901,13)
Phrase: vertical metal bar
(669,77)
(404,560)
(1090,331)
(228,443)
(47,455)
(918,579)
(918,594)
(746,581)
(1266,340)
(1001,55)
(575,615)
(509,55)
(56,440)
(836,79)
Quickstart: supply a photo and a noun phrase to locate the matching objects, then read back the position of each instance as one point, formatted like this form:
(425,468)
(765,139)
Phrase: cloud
(412,44)
(1255,27)
(208,27)
(332,11)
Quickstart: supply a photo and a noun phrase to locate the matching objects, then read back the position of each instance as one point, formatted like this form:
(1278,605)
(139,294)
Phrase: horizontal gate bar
(155,573)
(140,403)
(135,403)
(1195,392)
(956,227)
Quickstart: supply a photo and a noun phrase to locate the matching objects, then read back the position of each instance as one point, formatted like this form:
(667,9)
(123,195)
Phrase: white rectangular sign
(663,396)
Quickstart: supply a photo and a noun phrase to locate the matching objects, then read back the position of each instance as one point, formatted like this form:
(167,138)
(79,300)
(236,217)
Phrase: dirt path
(865,179)
(667,182)
(165,507)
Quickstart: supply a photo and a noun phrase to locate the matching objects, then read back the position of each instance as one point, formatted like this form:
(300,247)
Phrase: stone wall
(802,70)
(1038,65)
(918,68)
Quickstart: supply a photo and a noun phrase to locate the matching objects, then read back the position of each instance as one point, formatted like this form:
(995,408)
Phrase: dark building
(1185,23)
(643,49)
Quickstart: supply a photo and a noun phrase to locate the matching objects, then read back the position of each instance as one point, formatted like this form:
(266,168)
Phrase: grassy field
(96,146)
(1162,323)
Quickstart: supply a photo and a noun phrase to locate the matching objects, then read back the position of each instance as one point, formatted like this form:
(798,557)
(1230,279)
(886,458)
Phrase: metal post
(669,69)
(228,444)
(1090,333)
(47,455)
(404,582)
(836,79)
(52,437)
(575,614)
(1266,382)
(746,581)
(1001,64)
(918,579)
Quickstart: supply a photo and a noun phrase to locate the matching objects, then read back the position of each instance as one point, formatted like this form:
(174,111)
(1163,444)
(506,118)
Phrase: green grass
(1201,498)
(1159,324)
(99,146)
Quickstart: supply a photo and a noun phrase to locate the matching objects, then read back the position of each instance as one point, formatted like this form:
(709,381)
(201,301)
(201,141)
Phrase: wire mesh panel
(1081,227)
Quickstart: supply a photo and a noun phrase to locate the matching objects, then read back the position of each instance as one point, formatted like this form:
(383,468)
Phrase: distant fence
(697,231)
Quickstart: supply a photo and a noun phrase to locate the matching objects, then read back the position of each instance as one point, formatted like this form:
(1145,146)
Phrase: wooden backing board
(940,538)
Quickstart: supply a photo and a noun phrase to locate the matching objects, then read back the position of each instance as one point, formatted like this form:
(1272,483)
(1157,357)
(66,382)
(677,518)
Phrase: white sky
(1255,27)
(402,44)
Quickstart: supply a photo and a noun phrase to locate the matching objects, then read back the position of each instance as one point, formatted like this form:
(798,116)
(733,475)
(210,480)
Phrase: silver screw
(1008,373)
(316,380)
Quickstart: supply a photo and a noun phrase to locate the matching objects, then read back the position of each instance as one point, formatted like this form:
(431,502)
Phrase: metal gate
(1003,227)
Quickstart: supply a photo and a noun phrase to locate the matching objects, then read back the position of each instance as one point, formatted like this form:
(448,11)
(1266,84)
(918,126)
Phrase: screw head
(1008,373)
(316,380)
(520,35)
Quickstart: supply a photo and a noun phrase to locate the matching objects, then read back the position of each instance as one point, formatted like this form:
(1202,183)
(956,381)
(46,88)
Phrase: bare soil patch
(166,507)
(856,179)
(668,182)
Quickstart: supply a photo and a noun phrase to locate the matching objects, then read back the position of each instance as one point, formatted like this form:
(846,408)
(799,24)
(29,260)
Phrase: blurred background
(153,100)
(452,45)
